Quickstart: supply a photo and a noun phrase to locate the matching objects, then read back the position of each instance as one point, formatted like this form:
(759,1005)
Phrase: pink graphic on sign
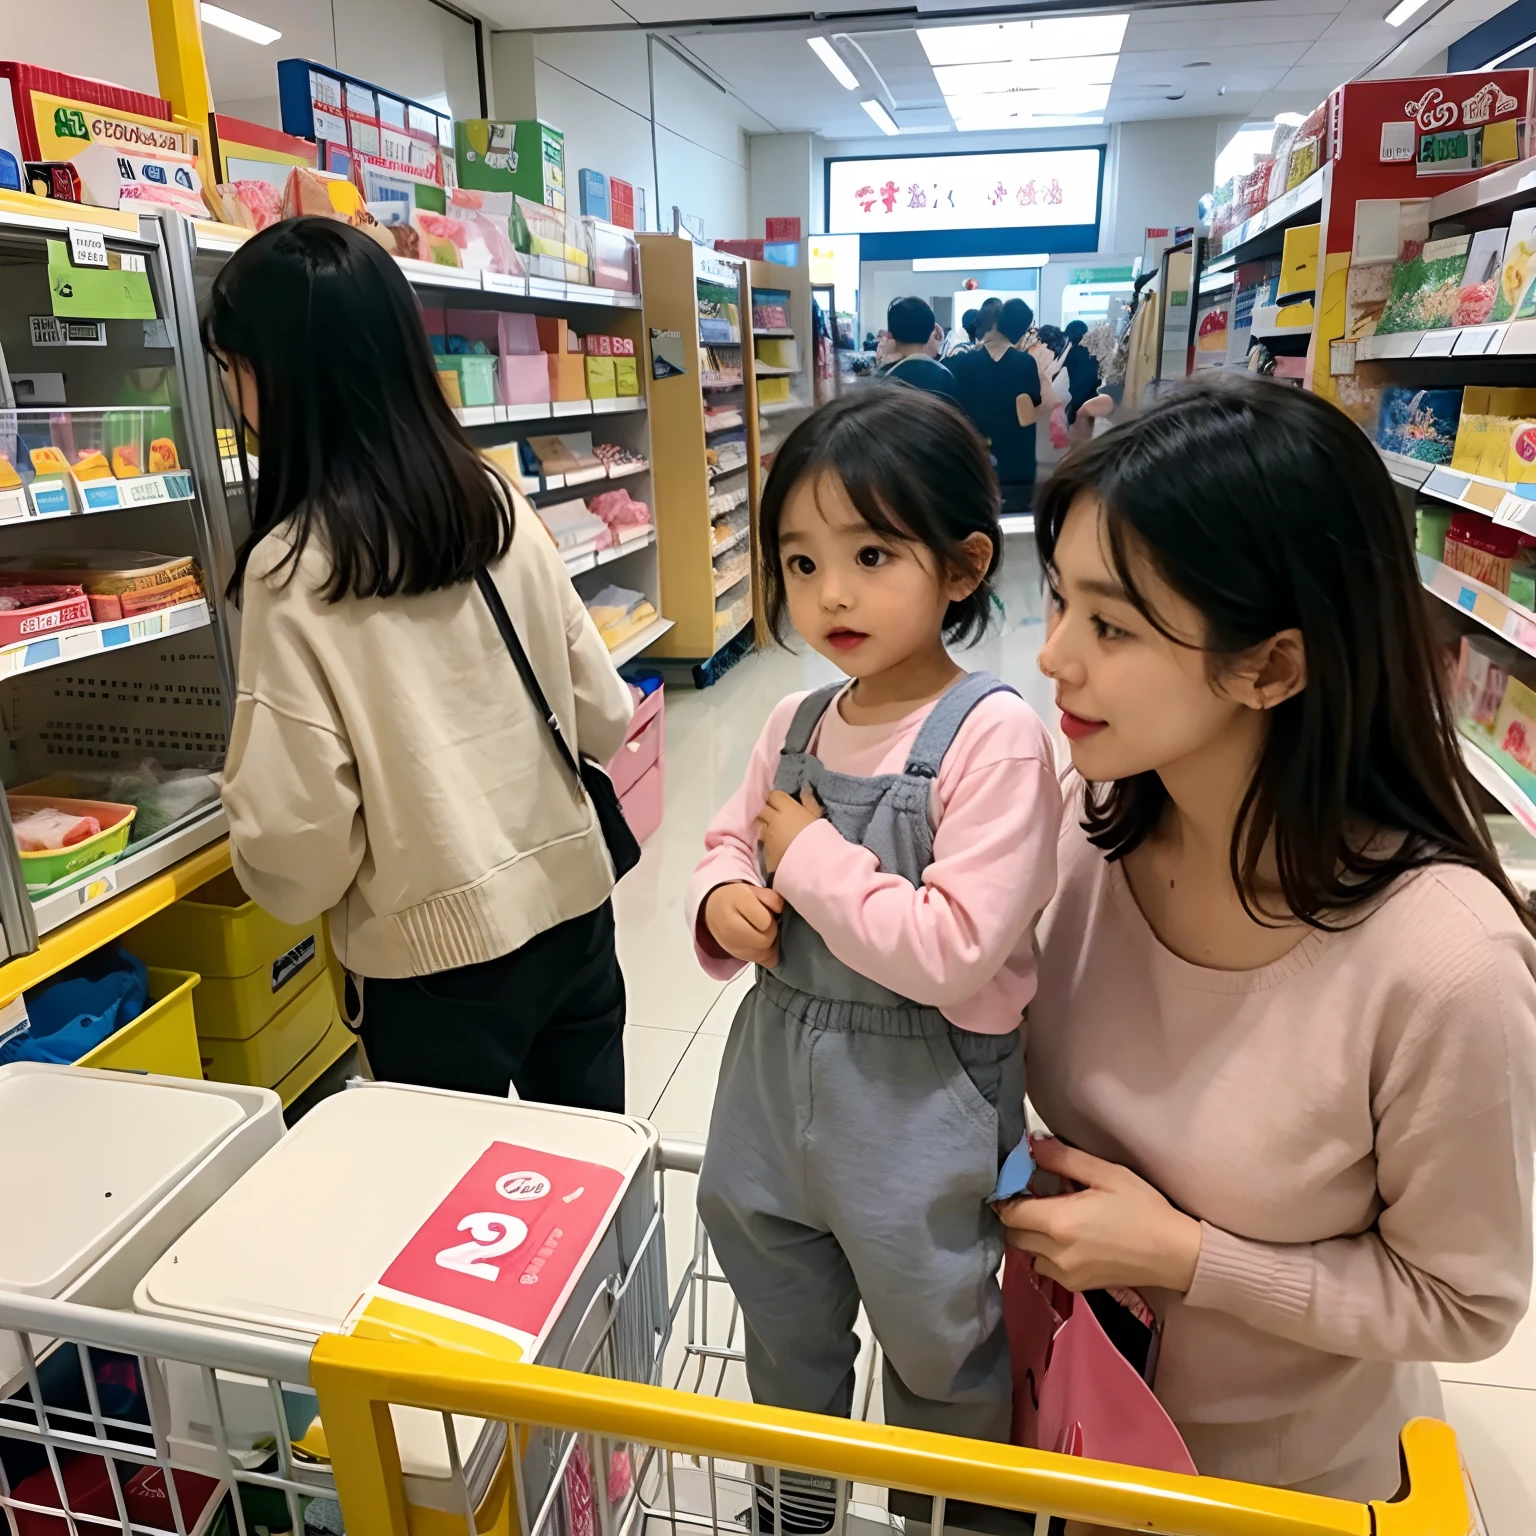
(509,1237)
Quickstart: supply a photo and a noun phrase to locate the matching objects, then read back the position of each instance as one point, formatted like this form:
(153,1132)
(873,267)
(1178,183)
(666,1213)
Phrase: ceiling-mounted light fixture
(829,56)
(883,119)
(1403,10)
(977,263)
(241,26)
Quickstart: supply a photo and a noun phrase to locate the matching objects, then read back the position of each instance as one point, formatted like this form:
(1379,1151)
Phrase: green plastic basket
(45,871)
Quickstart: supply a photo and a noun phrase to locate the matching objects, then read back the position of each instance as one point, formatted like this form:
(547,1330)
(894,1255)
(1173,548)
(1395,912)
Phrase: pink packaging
(524,378)
(518,335)
(642,805)
(599,345)
(642,746)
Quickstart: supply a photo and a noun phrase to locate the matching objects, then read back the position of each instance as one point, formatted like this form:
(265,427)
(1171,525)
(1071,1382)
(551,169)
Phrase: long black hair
(915,469)
(358,442)
(1268,509)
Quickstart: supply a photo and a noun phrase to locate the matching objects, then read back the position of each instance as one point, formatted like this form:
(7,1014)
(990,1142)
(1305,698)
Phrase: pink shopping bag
(1073,1391)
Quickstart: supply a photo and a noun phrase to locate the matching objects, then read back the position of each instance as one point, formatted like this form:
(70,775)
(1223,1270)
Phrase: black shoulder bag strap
(623,848)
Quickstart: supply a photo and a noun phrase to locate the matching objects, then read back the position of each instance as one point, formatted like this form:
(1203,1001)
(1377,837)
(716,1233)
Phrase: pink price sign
(510,1238)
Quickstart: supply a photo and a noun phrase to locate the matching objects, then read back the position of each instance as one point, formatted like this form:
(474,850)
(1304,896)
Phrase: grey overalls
(856,1136)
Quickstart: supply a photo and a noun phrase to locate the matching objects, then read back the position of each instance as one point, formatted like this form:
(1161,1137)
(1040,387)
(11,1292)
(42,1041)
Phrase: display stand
(703,406)
(106,695)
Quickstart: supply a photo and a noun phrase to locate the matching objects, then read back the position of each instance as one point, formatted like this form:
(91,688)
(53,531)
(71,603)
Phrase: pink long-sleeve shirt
(962,941)
(1353,1125)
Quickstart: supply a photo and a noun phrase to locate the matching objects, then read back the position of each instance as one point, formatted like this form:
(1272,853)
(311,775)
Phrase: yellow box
(1298,261)
(217,931)
(334,1044)
(238,1007)
(626,376)
(269,1055)
(602,383)
(163,1039)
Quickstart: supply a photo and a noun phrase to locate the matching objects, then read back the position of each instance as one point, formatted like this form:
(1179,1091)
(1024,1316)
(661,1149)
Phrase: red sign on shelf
(509,1240)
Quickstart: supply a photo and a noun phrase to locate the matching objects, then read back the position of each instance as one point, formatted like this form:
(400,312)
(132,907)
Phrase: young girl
(386,762)
(883,866)
(1286,1020)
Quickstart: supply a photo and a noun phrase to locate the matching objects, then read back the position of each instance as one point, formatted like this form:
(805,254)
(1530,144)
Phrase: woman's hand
(782,820)
(1115,1230)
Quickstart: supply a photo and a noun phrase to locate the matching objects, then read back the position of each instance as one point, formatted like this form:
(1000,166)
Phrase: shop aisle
(679,1018)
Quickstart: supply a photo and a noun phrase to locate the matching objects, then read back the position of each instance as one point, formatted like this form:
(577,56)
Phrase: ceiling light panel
(993,42)
(1004,109)
(974,79)
(882,119)
(829,56)
(241,26)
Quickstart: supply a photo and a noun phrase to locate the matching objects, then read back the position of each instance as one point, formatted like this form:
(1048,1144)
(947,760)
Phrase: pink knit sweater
(1355,1128)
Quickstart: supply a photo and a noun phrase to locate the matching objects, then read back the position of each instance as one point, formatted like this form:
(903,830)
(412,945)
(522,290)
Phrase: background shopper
(964,337)
(999,388)
(386,763)
(915,338)
(1286,1021)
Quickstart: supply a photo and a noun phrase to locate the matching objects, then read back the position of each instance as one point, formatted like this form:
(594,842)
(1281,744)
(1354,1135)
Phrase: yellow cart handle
(357,1379)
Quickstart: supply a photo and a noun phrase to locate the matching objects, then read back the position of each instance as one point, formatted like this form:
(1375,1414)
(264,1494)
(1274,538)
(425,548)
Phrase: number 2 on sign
(493,1236)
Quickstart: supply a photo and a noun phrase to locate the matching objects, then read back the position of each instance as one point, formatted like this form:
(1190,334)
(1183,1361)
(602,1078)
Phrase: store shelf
(1505,503)
(785,334)
(99,919)
(1492,776)
(576,564)
(783,407)
(21,210)
(1287,209)
(1017,522)
(1410,472)
(637,643)
(1496,192)
(47,499)
(1491,608)
(92,639)
(1513,338)
(430,274)
(496,415)
(765,372)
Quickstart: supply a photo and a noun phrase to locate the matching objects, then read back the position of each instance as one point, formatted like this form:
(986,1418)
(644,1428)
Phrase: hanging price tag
(87,247)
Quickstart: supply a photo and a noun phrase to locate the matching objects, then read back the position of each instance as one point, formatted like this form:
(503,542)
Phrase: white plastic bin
(101,1171)
(291,1248)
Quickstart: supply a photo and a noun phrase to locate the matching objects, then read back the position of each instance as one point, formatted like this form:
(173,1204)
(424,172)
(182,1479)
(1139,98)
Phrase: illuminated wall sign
(987,203)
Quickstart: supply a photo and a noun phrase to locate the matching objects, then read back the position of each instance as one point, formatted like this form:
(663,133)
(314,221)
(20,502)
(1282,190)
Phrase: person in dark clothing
(915,337)
(1081,369)
(999,389)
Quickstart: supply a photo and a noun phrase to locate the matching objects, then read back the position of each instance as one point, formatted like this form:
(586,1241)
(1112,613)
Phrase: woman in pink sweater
(1285,1026)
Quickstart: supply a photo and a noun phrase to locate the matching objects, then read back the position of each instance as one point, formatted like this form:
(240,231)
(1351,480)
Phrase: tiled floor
(679,1017)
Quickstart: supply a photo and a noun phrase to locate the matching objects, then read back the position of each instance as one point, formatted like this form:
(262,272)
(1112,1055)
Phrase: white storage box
(101,1171)
(312,1227)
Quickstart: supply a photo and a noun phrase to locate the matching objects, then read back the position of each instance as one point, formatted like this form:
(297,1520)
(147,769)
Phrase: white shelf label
(87,247)
(1515,511)
(143,489)
(1436,344)
(1476,340)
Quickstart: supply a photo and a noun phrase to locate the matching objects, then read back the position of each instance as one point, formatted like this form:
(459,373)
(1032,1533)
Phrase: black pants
(548,1019)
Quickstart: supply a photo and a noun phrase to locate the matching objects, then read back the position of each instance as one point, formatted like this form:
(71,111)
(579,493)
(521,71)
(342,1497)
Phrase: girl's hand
(744,921)
(1115,1230)
(782,820)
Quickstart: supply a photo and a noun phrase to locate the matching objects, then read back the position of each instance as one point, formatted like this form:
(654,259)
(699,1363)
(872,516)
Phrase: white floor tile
(718,1020)
(1496,1428)
(684,1110)
(650,1058)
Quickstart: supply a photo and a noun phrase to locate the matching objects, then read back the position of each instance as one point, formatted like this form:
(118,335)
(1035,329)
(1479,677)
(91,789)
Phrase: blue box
(785,253)
(595,202)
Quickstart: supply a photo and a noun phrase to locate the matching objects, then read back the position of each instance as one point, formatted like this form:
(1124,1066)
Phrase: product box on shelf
(626,377)
(602,382)
(615,256)
(1426,285)
(782,229)
(525,158)
(1419,423)
(475,373)
(525,378)
(1496,434)
(82,127)
(594,194)
(567,375)
(1298,261)
(622,196)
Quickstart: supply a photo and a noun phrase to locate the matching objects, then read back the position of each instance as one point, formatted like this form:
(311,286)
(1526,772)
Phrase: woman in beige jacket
(386,765)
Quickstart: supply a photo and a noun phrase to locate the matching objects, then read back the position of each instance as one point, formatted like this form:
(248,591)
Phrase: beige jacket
(387,766)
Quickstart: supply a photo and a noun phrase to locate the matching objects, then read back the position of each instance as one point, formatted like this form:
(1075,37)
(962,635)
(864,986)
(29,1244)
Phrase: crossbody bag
(623,848)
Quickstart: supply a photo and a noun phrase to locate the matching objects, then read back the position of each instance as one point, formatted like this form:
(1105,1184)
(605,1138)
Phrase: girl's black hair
(916,470)
(1268,509)
(1054,337)
(358,442)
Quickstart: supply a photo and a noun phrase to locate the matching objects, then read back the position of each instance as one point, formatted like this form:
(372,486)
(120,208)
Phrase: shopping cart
(596,1449)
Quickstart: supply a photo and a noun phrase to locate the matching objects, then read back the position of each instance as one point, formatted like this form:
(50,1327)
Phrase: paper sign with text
(501,1252)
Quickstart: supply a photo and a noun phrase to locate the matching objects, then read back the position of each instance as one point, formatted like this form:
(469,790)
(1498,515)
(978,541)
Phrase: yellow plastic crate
(268,1056)
(163,1039)
(334,1044)
(240,1007)
(218,931)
